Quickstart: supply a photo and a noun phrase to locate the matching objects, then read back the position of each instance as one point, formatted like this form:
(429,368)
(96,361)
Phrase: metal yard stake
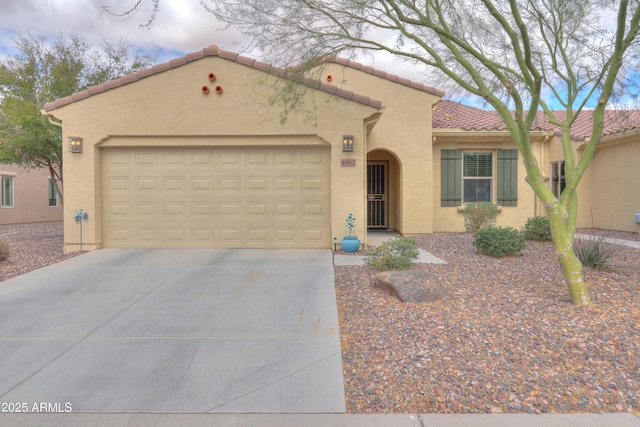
(79,217)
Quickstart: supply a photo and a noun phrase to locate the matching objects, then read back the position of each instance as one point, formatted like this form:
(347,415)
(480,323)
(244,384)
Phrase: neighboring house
(28,195)
(193,153)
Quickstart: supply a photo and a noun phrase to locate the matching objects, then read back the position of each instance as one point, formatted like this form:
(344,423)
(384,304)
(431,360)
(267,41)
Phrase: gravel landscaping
(33,246)
(505,338)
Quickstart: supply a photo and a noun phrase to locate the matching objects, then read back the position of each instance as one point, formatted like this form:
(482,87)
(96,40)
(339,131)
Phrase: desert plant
(350,225)
(5,250)
(499,241)
(593,252)
(537,228)
(395,254)
(479,215)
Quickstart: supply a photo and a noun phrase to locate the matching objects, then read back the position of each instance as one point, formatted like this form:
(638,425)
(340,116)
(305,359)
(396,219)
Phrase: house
(609,192)
(28,195)
(194,153)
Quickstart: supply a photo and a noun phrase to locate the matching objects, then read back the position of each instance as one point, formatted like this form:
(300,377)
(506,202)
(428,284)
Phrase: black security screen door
(376,195)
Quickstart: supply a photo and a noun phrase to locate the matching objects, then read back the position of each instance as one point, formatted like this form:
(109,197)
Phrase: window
(557,178)
(7,191)
(469,177)
(53,193)
(477,176)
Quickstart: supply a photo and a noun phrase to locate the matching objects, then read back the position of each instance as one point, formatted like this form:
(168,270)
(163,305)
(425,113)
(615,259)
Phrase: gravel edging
(506,338)
(33,246)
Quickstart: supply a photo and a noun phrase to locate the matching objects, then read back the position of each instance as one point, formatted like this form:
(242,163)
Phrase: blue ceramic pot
(350,244)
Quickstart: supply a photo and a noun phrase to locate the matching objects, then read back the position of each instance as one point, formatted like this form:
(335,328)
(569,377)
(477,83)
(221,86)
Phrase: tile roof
(453,115)
(449,114)
(211,51)
(446,114)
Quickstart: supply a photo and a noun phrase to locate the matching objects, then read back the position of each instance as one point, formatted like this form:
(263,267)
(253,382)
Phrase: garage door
(224,197)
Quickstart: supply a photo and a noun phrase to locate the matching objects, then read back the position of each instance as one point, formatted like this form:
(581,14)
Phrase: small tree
(43,72)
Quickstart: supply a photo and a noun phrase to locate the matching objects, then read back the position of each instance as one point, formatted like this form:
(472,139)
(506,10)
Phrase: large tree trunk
(563,233)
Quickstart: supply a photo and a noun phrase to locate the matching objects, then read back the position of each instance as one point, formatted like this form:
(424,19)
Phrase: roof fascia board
(627,137)
(442,135)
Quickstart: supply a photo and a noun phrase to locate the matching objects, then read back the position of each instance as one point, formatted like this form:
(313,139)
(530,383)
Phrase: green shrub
(499,241)
(5,250)
(593,252)
(395,254)
(538,228)
(479,215)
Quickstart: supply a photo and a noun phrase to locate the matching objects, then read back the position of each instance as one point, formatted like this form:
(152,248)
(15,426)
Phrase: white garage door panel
(224,197)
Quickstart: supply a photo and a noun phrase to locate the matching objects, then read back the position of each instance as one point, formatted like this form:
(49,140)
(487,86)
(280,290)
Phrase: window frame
(7,200)
(491,179)
(557,180)
(53,194)
(506,178)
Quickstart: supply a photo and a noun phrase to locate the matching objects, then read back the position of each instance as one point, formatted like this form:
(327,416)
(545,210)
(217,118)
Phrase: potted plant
(350,242)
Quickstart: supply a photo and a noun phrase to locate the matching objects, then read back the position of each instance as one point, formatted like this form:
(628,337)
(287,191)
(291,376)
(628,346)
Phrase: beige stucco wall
(451,218)
(169,108)
(30,197)
(405,132)
(609,194)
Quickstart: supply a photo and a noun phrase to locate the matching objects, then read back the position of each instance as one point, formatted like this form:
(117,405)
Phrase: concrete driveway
(216,330)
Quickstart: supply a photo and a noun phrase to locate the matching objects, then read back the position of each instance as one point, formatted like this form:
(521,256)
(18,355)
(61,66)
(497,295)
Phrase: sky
(182,26)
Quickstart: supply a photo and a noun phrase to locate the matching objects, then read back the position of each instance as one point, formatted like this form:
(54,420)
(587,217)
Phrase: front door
(377,195)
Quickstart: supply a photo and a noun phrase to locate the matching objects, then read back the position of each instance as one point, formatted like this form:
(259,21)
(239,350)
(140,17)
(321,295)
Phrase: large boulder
(411,286)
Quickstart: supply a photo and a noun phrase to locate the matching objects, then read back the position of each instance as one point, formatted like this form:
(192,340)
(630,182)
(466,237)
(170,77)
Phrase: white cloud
(181,27)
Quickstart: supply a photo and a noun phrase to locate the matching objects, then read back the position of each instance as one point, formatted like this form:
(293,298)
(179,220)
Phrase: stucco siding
(178,106)
(170,109)
(451,218)
(405,131)
(610,196)
(30,197)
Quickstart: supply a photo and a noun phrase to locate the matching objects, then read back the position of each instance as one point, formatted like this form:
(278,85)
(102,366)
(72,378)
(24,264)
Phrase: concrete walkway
(630,243)
(320,420)
(376,239)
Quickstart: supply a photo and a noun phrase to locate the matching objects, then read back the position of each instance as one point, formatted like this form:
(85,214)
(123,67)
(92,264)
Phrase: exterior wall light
(75,144)
(347,143)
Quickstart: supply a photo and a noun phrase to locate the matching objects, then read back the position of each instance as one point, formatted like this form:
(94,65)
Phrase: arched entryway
(383,191)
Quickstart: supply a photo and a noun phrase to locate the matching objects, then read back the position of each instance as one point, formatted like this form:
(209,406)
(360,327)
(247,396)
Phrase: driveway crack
(275,380)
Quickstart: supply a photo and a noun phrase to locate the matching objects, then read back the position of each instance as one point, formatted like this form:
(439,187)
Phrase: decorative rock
(411,286)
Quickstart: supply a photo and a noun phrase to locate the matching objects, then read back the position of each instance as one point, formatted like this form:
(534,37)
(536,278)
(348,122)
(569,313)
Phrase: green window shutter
(507,177)
(450,178)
